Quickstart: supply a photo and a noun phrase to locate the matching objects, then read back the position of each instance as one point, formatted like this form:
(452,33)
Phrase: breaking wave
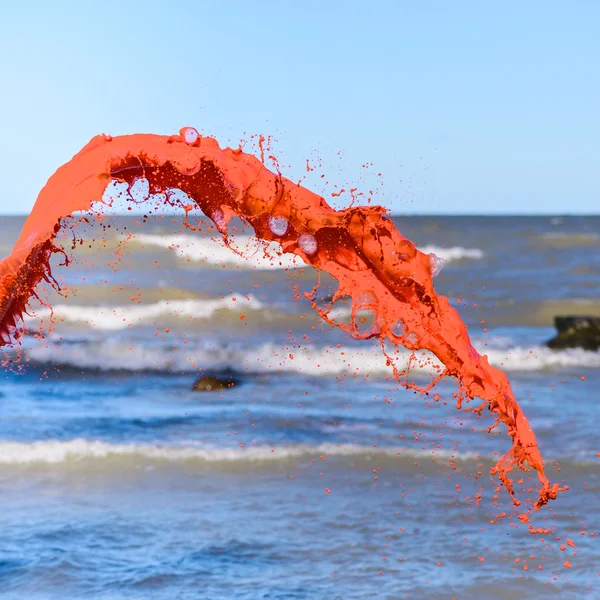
(57,451)
(215,253)
(85,453)
(258,255)
(106,355)
(453,253)
(120,317)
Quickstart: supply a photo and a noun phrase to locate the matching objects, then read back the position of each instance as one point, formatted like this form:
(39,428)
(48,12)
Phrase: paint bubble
(398,328)
(190,135)
(219,218)
(278,225)
(365,315)
(412,338)
(437,264)
(308,243)
(365,323)
(366,299)
(401,255)
(341,311)
(140,190)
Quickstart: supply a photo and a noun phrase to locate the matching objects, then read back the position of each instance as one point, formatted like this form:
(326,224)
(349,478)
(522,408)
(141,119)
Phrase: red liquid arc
(373,263)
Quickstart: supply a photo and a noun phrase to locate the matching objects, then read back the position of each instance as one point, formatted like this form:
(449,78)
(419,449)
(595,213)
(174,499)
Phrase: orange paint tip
(567,564)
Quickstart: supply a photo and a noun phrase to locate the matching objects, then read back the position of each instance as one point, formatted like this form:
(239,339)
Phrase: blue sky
(463,107)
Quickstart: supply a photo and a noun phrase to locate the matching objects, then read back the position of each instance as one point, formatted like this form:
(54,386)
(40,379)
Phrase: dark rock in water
(576,332)
(209,383)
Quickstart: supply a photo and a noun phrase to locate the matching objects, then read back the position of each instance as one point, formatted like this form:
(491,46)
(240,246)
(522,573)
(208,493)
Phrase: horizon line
(458,214)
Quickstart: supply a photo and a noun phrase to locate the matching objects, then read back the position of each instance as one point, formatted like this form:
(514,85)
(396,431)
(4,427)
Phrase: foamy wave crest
(453,253)
(120,317)
(269,358)
(257,255)
(214,252)
(77,450)
(85,454)
(540,358)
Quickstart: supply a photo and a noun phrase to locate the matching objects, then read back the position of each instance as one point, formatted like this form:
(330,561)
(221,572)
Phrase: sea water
(317,475)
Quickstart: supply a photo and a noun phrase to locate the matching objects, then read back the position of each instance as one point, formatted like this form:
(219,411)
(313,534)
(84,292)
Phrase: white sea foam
(453,253)
(214,252)
(541,358)
(78,450)
(258,255)
(270,358)
(120,317)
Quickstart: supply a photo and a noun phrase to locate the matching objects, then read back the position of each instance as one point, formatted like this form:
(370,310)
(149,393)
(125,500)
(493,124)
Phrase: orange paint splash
(374,264)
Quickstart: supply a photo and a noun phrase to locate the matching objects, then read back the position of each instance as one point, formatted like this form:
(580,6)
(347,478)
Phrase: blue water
(316,476)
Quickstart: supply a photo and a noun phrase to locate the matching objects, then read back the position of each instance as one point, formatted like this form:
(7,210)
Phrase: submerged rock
(576,332)
(208,383)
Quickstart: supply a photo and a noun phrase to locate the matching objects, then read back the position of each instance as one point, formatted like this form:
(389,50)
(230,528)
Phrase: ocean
(317,475)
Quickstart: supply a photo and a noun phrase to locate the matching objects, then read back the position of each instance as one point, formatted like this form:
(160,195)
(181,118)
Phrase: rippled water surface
(317,476)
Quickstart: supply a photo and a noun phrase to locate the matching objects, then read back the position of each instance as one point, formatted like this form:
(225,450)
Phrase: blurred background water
(317,476)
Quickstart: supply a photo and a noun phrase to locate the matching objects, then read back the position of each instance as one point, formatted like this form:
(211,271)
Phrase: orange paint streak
(374,264)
